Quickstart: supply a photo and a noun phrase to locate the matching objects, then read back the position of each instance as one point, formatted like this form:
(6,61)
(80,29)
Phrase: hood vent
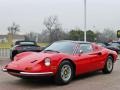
(34,61)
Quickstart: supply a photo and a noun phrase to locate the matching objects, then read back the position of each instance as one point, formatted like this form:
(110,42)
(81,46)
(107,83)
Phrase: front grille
(14,71)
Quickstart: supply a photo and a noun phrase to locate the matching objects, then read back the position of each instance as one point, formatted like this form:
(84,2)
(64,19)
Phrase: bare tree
(107,35)
(13,29)
(43,36)
(32,36)
(100,37)
(52,25)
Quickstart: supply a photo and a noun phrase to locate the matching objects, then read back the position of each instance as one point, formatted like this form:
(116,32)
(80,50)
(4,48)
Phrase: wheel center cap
(65,72)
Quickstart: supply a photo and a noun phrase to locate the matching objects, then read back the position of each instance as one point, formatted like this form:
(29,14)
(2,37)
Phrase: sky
(30,14)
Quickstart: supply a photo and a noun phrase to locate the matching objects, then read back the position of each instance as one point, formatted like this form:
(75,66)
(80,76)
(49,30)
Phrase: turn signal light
(28,68)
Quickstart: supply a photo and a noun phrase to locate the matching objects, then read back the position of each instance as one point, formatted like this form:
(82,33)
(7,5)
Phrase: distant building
(18,38)
(6,38)
(3,38)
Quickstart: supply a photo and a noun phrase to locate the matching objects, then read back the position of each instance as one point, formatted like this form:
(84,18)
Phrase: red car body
(33,63)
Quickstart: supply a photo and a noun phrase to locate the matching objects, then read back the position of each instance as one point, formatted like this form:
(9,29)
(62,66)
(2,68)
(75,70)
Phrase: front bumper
(28,73)
(4,70)
(36,74)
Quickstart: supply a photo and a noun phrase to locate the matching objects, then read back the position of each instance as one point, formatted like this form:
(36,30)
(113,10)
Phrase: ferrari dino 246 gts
(63,60)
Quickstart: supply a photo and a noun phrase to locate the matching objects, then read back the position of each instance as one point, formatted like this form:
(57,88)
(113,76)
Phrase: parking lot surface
(92,81)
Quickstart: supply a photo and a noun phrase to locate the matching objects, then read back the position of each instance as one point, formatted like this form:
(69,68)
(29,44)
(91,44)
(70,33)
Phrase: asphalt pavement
(92,81)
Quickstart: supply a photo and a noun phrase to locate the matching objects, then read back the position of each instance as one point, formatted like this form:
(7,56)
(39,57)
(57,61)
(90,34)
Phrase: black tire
(58,78)
(108,69)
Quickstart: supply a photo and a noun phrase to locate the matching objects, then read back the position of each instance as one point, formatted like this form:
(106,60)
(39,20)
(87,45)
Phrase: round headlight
(47,61)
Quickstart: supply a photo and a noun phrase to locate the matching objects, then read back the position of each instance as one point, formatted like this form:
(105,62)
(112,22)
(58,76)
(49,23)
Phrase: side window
(86,48)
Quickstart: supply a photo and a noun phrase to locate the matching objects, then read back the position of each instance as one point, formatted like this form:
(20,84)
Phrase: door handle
(99,53)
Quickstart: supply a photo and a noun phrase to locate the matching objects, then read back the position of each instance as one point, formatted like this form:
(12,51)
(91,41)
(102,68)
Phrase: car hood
(31,60)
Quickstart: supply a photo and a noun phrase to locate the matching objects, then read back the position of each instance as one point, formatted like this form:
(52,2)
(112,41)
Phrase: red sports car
(63,60)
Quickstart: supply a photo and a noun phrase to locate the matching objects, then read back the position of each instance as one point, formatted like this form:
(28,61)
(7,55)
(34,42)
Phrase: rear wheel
(108,68)
(64,74)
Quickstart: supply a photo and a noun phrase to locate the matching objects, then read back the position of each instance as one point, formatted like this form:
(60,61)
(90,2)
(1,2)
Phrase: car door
(98,59)
(83,61)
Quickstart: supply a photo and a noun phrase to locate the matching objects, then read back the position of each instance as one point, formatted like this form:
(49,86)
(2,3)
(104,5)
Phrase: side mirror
(81,51)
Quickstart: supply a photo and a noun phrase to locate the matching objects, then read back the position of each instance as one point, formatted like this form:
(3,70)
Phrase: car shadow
(49,82)
(88,75)
(37,82)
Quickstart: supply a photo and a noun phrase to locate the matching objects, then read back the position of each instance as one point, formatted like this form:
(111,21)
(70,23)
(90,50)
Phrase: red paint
(84,63)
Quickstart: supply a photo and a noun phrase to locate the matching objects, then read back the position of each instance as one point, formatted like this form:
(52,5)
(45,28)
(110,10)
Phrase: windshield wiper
(51,51)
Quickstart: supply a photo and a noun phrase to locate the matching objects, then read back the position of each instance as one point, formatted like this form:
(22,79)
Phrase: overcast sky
(30,14)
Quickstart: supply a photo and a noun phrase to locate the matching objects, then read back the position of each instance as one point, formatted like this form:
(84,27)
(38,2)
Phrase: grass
(8,45)
(5,45)
(42,44)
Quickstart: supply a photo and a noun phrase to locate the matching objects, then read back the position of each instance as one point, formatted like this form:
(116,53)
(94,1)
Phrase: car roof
(116,42)
(80,42)
(18,42)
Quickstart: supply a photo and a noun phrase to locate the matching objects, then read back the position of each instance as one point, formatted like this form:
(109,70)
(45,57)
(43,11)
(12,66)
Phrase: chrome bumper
(28,73)
(36,74)
(4,70)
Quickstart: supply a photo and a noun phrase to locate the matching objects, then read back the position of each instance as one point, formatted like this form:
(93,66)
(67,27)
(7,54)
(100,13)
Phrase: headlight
(47,62)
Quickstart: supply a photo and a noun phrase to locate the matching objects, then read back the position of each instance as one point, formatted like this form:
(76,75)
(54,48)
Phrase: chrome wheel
(66,73)
(108,68)
(109,64)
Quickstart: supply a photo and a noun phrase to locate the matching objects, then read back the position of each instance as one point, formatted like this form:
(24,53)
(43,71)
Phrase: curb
(4,59)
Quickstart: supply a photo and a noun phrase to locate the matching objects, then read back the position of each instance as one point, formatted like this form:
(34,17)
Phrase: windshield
(64,47)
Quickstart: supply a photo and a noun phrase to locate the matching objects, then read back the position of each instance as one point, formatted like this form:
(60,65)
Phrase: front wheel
(108,68)
(64,74)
